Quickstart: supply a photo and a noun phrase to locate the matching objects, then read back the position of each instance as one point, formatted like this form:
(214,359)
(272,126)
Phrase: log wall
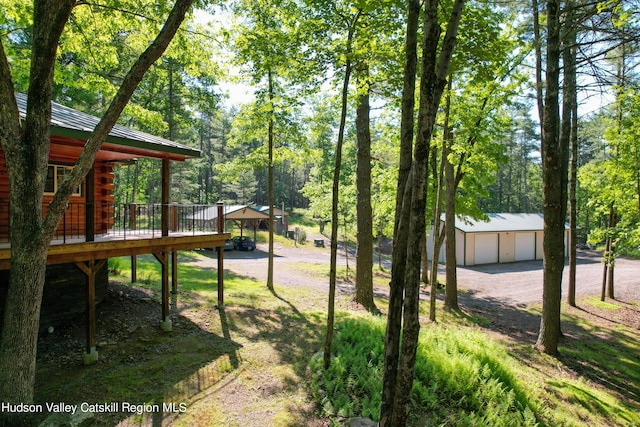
(73,223)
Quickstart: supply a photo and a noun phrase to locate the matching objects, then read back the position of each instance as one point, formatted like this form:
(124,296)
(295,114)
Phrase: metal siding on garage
(539,248)
(469,249)
(525,246)
(486,248)
(507,245)
(460,247)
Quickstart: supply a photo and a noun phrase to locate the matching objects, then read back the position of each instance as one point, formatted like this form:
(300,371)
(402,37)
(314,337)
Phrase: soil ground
(231,396)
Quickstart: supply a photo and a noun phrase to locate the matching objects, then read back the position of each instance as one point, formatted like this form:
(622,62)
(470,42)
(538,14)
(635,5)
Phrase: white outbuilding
(505,237)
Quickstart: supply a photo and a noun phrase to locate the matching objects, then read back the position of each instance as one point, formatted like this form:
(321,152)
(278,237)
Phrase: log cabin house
(95,229)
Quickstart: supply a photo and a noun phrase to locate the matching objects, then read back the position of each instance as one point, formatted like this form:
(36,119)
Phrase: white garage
(486,248)
(525,246)
(504,237)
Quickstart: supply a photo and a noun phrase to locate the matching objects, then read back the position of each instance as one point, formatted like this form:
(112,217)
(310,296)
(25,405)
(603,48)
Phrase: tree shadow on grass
(142,371)
(292,337)
(600,348)
(497,315)
(606,353)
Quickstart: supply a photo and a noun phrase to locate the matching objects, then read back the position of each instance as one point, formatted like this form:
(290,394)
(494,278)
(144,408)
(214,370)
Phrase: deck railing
(125,221)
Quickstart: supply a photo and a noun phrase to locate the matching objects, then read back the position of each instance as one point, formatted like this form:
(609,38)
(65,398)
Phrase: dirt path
(286,263)
(515,284)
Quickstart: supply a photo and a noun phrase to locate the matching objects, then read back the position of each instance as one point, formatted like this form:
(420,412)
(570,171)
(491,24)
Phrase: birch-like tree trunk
(270,138)
(335,196)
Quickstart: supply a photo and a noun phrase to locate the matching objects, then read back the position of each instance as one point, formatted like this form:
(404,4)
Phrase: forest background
(480,144)
(227,48)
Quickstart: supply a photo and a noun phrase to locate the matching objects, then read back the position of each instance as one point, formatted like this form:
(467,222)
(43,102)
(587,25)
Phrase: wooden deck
(90,257)
(110,246)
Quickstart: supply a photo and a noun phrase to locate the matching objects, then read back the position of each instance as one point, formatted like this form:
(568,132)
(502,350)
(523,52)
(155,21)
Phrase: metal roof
(230,212)
(503,222)
(71,123)
(276,211)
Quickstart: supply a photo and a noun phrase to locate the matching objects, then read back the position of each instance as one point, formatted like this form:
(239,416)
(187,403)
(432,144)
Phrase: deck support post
(90,268)
(174,271)
(134,268)
(220,256)
(163,258)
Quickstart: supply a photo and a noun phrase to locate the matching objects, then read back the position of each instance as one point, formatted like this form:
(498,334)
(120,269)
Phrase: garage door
(486,247)
(525,246)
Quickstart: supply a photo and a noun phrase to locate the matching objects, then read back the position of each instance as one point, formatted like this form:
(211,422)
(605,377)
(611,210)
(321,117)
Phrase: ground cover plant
(253,361)
(461,377)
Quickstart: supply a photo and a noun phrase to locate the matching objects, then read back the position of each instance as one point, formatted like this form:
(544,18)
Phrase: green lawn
(255,361)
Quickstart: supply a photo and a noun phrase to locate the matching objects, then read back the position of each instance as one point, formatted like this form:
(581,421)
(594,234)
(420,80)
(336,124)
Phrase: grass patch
(461,377)
(603,305)
(258,349)
(301,218)
(381,278)
(278,239)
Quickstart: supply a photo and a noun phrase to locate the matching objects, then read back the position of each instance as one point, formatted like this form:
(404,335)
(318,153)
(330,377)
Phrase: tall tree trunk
(396,291)
(364,254)
(424,261)
(607,251)
(438,236)
(433,80)
(450,186)
(451,288)
(610,278)
(379,243)
(570,130)
(270,182)
(334,198)
(611,256)
(554,177)
(26,157)
(605,266)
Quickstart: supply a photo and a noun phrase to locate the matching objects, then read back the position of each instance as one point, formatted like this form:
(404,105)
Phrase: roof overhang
(503,222)
(123,143)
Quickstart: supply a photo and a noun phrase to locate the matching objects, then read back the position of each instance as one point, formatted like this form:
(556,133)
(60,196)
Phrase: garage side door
(525,246)
(486,246)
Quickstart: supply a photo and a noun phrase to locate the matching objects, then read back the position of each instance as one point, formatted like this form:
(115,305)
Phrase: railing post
(174,217)
(166,182)
(64,227)
(220,217)
(89,209)
(132,216)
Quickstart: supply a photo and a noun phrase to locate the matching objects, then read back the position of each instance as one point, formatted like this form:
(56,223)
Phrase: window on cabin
(55,178)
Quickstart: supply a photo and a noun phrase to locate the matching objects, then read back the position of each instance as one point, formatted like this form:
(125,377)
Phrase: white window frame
(58,178)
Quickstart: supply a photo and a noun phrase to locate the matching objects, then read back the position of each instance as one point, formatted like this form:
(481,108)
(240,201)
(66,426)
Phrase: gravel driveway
(518,283)
(521,282)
